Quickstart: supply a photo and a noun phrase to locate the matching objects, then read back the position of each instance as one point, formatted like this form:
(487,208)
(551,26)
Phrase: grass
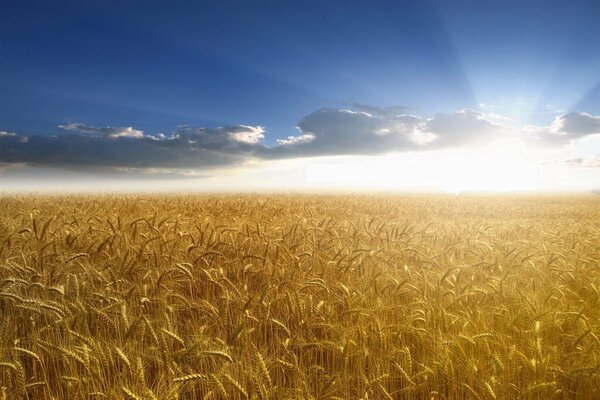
(305,297)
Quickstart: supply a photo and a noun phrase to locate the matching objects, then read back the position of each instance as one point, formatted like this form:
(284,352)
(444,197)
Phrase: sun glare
(497,169)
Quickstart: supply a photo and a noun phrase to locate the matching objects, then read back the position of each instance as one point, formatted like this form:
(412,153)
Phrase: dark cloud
(335,131)
(129,148)
(566,128)
(578,124)
(465,127)
(364,130)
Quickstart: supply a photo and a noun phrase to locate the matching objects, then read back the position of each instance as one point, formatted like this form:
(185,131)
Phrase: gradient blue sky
(157,65)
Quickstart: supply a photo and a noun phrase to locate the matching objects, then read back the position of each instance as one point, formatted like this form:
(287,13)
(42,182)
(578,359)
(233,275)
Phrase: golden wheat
(312,297)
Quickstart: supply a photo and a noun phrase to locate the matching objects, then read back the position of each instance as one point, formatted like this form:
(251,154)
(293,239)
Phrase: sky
(278,95)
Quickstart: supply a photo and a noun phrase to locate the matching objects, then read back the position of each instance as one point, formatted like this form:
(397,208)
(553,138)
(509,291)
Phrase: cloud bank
(362,130)
(351,132)
(91,147)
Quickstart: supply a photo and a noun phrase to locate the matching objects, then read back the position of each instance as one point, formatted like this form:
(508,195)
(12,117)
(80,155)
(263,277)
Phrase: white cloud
(304,138)
(107,132)
(252,134)
(12,137)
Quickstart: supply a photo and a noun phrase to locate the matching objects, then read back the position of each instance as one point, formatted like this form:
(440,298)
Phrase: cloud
(362,130)
(578,124)
(11,137)
(376,131)
(382,111)
(465,127)
(584,162)
(93,147)
(565,128)
(108,132)
(305,138)
(341,131)
(248,134)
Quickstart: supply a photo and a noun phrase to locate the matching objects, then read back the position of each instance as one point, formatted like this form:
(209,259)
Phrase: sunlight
(499,168)
(497,171)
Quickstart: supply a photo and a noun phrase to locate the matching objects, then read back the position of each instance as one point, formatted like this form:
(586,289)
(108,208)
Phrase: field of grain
(305,297)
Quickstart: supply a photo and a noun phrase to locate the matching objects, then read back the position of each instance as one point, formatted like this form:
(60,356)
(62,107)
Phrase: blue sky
(155,66)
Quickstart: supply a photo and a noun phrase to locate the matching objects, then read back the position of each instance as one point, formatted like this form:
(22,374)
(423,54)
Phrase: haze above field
(427,95)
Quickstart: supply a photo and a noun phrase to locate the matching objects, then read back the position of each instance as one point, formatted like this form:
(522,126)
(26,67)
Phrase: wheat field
(299,297)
